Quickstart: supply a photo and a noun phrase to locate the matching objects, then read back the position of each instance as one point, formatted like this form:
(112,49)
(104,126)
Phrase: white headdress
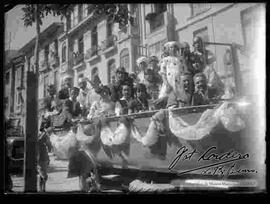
(141,59)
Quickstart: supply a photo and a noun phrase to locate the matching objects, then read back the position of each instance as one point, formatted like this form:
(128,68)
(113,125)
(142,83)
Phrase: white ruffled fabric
(228,116)
(118,137)
(64,145)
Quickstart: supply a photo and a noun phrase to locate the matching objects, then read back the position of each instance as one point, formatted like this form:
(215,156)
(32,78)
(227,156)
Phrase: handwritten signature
(217,168)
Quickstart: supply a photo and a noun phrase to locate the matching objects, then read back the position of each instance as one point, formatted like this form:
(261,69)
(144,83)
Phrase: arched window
(124,59)
(94,73)
(64,51)
(111,70)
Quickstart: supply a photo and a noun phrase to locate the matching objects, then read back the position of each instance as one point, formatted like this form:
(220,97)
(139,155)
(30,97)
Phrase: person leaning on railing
(183,93)
(140,102)
(203,94)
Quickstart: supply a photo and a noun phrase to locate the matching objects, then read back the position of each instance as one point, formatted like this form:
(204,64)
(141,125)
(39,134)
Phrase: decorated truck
(169,149)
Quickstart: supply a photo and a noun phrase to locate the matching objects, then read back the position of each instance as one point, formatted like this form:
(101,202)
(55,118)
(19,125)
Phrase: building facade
(49,72)
(97,46)
(92,46)
(87,46)
(220,24)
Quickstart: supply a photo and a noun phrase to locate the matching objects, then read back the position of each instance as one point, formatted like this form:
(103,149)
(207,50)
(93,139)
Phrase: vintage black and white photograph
(134,98)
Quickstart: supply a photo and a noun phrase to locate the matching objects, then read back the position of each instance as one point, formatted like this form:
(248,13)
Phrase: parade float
(163,145)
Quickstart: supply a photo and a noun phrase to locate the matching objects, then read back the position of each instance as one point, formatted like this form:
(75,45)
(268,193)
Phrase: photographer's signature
(220,167)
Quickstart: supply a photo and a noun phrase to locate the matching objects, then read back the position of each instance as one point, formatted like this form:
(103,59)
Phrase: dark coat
(73,109)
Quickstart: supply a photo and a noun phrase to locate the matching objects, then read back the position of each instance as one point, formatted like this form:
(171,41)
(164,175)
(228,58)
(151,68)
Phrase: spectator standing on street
(44,146)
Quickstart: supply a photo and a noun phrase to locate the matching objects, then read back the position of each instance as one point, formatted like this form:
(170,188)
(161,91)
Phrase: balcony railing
(91,52)
(109,42)
(78,58)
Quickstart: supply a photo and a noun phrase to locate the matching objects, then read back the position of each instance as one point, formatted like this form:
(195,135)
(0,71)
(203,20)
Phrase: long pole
(30,161)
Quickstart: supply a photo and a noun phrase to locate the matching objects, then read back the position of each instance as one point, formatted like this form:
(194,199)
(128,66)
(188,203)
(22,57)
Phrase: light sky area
(17,32)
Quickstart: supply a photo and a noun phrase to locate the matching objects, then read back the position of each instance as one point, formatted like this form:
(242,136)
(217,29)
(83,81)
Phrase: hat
(171,43)
(120,70)
(141,59)
(153,58)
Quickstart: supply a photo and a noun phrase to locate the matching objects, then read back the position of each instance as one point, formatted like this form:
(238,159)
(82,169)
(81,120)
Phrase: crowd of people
(179,79)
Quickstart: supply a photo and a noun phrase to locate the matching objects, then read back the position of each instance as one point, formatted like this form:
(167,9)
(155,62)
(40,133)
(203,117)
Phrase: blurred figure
(203,94)
(142,64)
(153,64)
(84,97)
(140,102)
(153,83)
(182,95)
(71,105)
(121,107)
(122,78)
(49,100)
(66,86)
(186,57)
(43,146)
(104,106)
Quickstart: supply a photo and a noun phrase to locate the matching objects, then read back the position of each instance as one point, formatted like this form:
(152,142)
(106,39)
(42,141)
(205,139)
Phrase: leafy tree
(34,14)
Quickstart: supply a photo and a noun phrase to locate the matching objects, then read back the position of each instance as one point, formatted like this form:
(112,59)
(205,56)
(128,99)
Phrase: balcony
(91,53)
(78,58)
(109,44)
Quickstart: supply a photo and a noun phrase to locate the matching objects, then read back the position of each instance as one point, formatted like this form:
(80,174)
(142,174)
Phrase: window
(7,79)
(156,19)
(124,59)
(64,52)
(86,10)
(56,79)
(18,79)
(111,70)
(249,21)
(94,73)
(80,46)
(159,8)
(46,83)
(197,9)
(74,16)
(80,13)
(110,39)
(94,41)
